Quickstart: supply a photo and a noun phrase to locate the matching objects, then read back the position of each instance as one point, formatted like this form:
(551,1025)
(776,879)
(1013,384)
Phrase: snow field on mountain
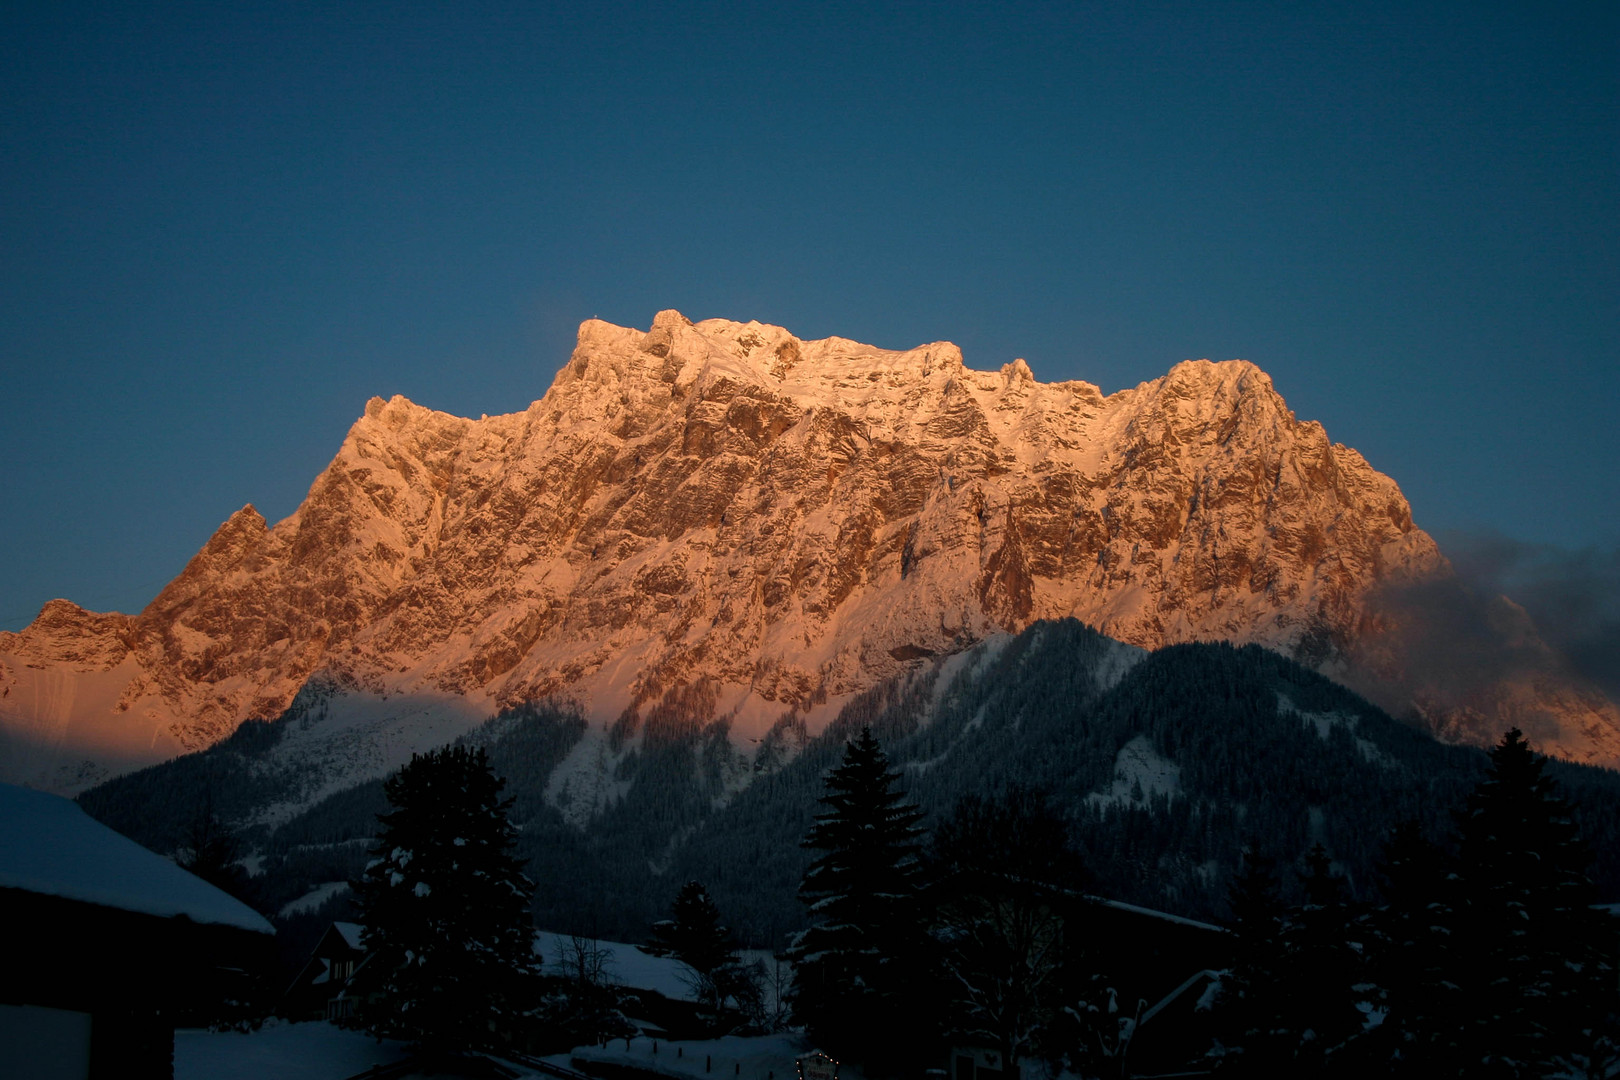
(349,737)
(1140,774)
(1324,723)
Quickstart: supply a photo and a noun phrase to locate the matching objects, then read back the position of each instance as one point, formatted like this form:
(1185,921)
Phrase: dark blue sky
(223,227)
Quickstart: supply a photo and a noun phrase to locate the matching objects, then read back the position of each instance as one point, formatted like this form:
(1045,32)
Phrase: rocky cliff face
(785,521)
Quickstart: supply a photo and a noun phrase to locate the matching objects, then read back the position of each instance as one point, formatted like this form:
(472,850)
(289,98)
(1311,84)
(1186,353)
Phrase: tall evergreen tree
(694,936)
(211,852)
(1253,1031)
(849,967)
(1411,955)
(232,997)
(1320,966)
(1533,954)
(445,906)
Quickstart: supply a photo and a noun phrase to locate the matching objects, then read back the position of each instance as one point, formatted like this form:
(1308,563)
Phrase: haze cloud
(1572,596)
(1518,627)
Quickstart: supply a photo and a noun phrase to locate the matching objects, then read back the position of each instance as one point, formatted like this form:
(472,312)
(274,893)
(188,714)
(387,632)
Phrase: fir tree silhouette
(694,936)
(1412,956)
(1319,969)
(1250,1017)
(849,987)
(445,906)
(1532,955)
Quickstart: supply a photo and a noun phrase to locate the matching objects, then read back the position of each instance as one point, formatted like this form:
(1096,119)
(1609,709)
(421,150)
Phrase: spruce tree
(1411,957)
(1250,1020)
(1532,955)
(1320,965)
(231,997)
(850,966)
(211,853)
(693,935)
(445,906)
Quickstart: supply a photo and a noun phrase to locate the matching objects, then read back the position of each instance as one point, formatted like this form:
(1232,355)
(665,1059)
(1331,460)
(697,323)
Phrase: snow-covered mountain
(789,521)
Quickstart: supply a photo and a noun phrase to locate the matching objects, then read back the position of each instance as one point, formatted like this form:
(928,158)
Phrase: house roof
(49,845)
(1037,886)
(1151,913)
(626,965)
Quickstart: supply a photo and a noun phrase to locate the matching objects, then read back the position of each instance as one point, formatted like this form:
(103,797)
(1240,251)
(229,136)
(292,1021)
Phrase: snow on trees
(1487,959)
(694,936)
(445,906)
(1534,960)
(849,987)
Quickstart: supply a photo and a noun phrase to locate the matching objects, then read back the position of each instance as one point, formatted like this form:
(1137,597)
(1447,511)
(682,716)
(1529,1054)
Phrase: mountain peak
(783,521)
(1202,377)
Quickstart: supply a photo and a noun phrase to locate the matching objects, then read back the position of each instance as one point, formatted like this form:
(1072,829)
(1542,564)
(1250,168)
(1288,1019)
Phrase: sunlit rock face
(787,521)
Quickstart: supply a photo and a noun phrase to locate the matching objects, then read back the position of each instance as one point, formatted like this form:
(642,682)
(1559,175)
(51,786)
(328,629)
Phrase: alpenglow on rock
(788,521)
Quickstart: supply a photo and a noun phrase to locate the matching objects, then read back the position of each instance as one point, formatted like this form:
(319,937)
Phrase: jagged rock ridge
(786,521)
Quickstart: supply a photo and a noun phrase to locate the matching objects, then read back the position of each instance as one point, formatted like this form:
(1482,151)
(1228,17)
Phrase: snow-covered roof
(48,845)
(350,933)
(626,965)
(630,965)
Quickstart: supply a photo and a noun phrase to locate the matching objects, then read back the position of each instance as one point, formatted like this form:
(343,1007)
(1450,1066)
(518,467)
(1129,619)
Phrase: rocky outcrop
(789,520)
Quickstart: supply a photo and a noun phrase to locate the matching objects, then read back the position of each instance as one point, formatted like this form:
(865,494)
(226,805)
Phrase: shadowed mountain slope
(1165,763)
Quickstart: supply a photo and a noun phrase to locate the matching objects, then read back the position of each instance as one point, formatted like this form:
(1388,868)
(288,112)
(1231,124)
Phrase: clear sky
(224,226)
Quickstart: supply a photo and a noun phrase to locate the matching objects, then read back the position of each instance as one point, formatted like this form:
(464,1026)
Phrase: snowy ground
(766,1057)
(321,1051)
(626,965)
(314,1050)
(630,965)
(317,1050)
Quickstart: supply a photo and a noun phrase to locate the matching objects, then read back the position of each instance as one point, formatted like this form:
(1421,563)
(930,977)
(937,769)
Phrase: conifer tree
(1250,1006)
(1319,969)
(849,985)
(212,852)
(445,906)
(1411,959)
(226,996)
(693,935)
(1532,953)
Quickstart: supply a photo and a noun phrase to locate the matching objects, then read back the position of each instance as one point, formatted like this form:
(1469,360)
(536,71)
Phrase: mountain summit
(723,505)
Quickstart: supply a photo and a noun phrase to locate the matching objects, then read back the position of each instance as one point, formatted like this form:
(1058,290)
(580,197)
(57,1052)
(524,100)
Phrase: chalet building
(1161,967)
(652,989)
(1153,952)
(321,990)
(109,945)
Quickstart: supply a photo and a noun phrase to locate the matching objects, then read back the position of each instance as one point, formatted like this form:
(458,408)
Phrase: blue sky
(224,227)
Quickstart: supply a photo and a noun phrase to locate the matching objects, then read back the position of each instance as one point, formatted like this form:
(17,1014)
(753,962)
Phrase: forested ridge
(1243,747)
